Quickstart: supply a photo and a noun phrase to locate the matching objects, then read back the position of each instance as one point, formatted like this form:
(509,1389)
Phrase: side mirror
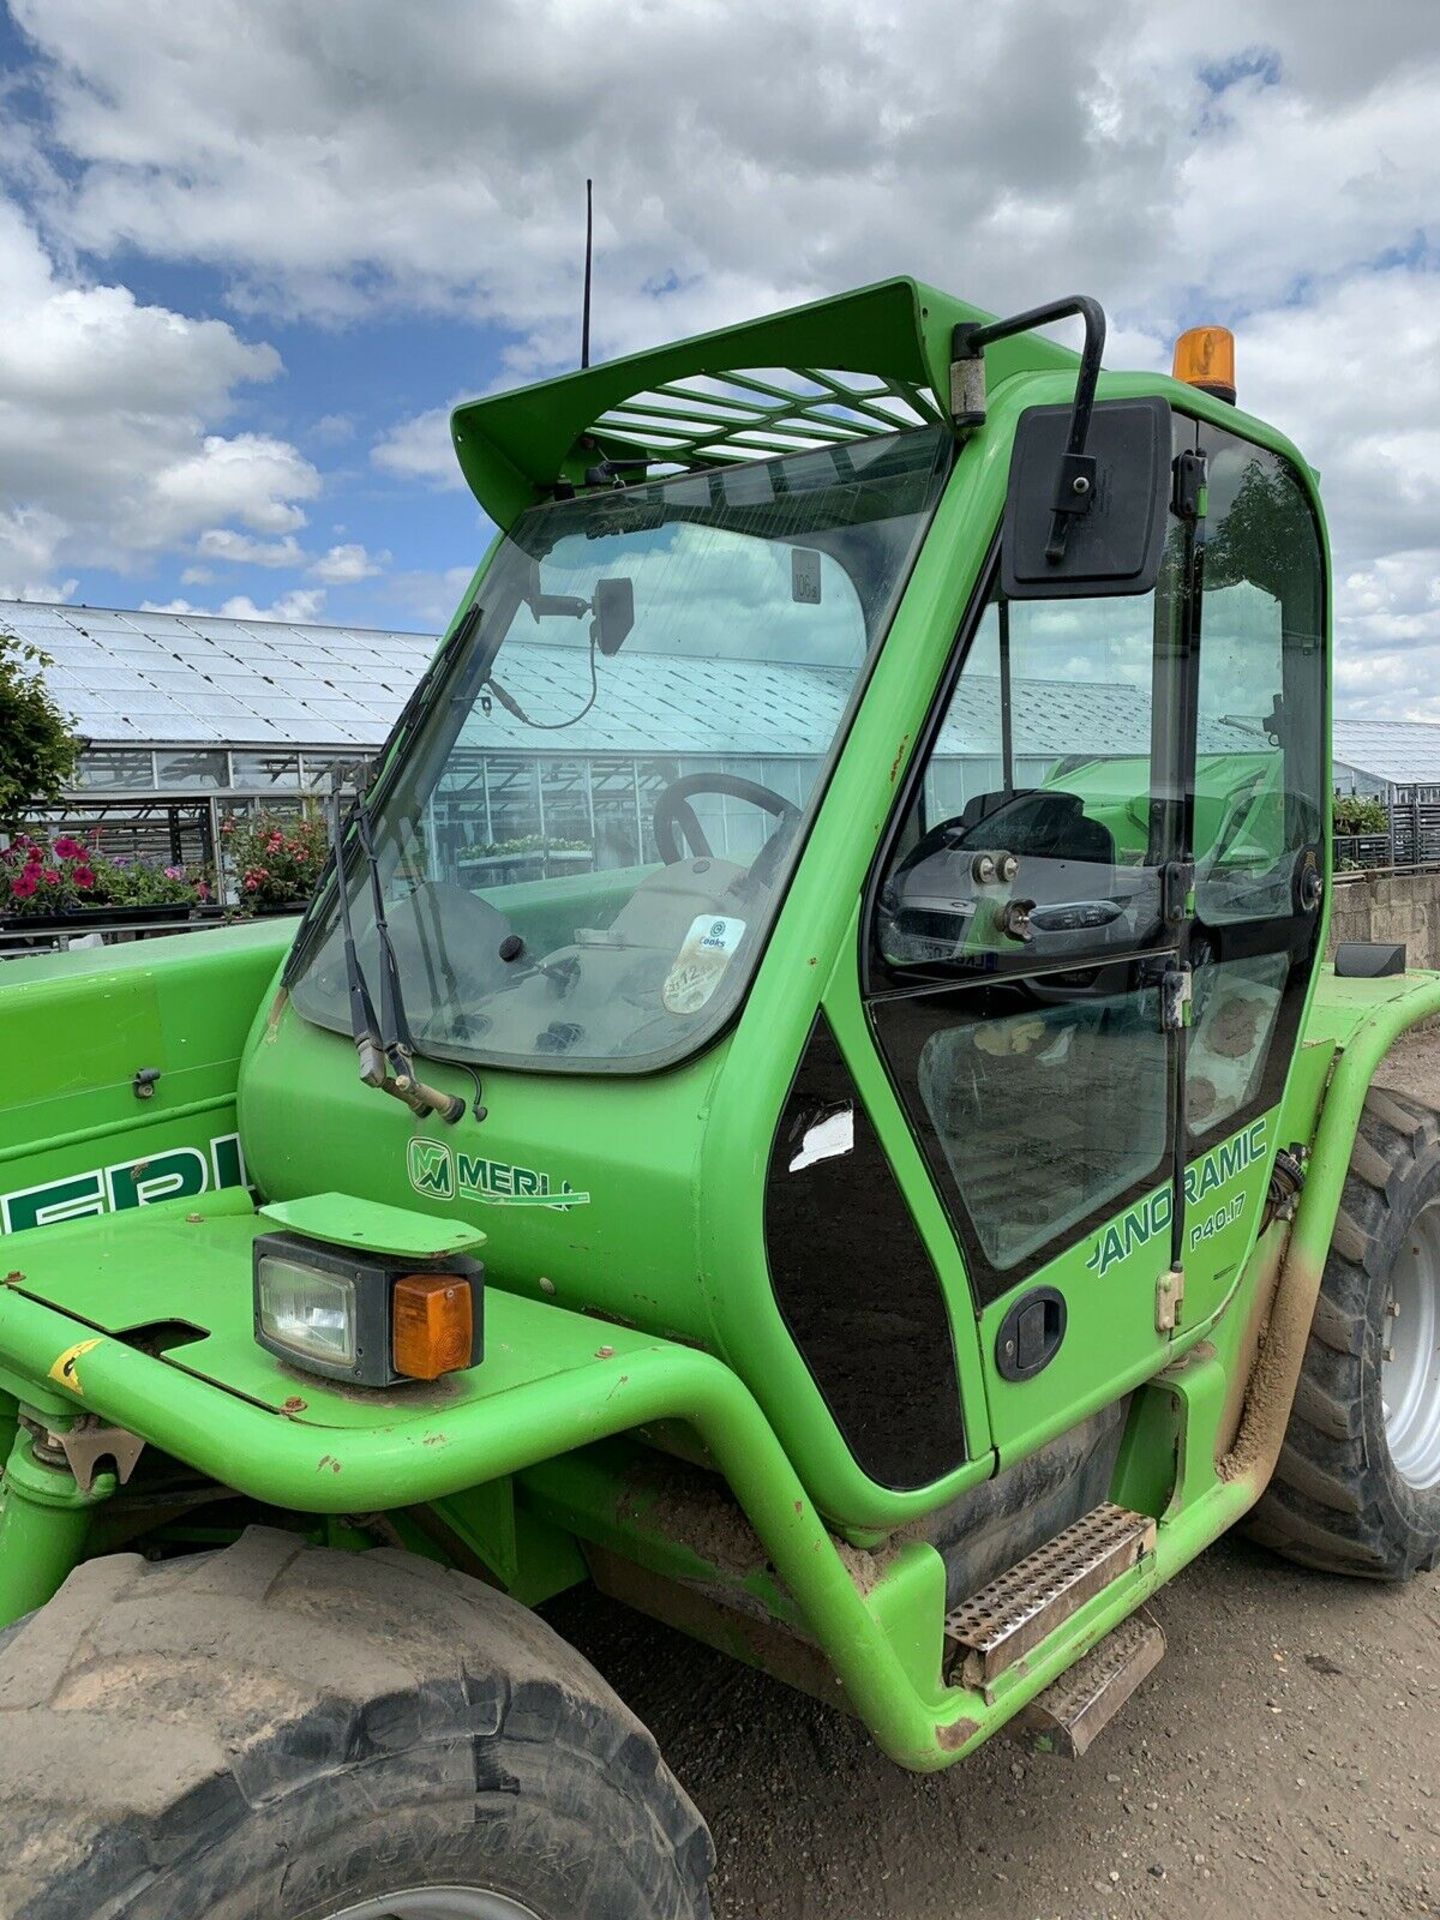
(1113,546)
(614,611)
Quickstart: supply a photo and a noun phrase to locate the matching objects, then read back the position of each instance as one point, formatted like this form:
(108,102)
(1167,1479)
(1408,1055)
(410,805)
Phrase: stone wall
(1384,906)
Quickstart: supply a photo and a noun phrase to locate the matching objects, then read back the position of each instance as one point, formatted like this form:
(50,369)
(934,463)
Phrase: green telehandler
(809,1098)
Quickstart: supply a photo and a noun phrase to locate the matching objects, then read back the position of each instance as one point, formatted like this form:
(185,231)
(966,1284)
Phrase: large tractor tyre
(279,1730)
(1357,1485)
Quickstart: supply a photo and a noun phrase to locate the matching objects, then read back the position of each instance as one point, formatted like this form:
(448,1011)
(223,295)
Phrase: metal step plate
(1068,1715)
(1001,1623)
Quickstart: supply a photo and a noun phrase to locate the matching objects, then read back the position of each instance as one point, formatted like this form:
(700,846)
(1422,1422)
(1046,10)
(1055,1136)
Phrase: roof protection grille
(754,413)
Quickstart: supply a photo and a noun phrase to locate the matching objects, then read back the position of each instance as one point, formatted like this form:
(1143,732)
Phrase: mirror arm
(1075,482)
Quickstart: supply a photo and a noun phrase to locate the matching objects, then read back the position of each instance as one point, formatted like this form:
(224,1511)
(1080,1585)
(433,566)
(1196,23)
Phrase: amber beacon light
(1205,358)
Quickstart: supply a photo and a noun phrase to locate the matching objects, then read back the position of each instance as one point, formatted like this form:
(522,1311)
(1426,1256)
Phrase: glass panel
(1236,1003)
(114,770)
(1258,791)
(186,770)
(692,623)
(264,769)
(1029,838)
(1047,1105)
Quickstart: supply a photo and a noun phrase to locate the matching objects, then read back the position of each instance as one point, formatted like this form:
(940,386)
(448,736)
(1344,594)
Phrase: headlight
(372,1322)
(305,1313)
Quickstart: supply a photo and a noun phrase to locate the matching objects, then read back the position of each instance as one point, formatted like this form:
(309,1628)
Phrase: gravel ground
(1283,1761)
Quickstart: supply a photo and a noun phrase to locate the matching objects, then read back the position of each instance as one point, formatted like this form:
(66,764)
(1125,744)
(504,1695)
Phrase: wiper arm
(385,1047)
(364,1028)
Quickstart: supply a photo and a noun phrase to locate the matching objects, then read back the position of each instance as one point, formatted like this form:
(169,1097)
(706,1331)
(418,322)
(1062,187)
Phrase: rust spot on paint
(272,1018)
(327,1460)
(800,1506)
(952,1737)
(899,756)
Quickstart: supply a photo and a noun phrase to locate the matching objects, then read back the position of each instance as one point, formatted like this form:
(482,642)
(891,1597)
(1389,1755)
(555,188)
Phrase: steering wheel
(674,816)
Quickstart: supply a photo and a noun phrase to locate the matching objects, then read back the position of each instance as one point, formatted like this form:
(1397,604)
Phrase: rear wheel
(279,1730)
(1357,1486)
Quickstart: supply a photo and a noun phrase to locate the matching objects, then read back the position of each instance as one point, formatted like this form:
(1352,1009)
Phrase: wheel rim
(1410,1363)
(439,1903)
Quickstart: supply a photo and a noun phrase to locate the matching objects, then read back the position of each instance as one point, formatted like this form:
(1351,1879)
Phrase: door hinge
(1177,892)
(1169,1296)
(1175,999)
(1191,497)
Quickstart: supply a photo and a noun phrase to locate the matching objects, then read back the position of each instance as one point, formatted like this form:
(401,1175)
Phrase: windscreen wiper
(385,1046)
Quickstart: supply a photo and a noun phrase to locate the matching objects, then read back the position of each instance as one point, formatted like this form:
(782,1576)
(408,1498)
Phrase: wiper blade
(385,1047)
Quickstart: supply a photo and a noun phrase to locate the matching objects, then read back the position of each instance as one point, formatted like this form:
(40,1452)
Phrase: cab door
(1026,978)
(1253,941)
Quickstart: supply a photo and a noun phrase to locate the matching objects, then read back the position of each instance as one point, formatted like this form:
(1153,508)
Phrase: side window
(1023,895)
(1258,777)
(1043,760)
(1258,789)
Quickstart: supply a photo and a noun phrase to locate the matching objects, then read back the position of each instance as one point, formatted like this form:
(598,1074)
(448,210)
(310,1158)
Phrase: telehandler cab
(878,1177)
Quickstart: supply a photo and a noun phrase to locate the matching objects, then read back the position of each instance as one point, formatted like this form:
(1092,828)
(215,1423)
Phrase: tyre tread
(1334,1500)
(117,1761)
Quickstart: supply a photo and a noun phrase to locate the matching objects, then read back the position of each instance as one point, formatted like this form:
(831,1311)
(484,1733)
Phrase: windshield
(585,841)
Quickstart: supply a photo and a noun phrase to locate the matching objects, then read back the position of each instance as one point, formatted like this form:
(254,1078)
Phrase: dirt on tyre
(276,1730)
(1357,1485)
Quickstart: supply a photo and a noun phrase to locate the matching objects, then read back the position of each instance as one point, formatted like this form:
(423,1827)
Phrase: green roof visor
(865,363)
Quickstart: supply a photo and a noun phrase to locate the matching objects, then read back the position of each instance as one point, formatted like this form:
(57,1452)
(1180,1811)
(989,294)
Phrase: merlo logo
(431,1168)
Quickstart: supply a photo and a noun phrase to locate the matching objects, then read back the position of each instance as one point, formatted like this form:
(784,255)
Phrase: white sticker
(701,961)
(826,1140)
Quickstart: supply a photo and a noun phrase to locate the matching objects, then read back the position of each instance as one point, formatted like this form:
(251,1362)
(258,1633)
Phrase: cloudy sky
(251,251)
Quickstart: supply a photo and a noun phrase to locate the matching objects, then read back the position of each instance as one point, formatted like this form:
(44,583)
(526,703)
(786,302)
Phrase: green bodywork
(630,1317)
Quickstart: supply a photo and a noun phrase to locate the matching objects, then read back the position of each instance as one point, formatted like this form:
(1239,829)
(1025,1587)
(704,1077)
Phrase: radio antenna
(589,253)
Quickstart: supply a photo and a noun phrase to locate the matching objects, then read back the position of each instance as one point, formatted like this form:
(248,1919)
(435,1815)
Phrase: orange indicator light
(432,1325)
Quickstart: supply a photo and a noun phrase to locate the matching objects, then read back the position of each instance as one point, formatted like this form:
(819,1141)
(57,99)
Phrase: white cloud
(426,601)
(106,407)
(333,429)
(302,604)
(1253,161)
(242,549)
(342,566)
(420,448)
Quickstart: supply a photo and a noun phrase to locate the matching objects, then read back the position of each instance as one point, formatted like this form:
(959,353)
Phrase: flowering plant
(274,860)
(39,874)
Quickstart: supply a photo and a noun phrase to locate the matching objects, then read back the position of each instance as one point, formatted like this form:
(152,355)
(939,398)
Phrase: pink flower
(174,873)
(276,841)
(251,883)
(202,889)
(35,857)
(51,876)
(84,878)
(23,885)
(68,849)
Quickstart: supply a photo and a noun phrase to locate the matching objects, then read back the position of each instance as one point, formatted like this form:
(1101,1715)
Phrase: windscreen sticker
(701,962)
